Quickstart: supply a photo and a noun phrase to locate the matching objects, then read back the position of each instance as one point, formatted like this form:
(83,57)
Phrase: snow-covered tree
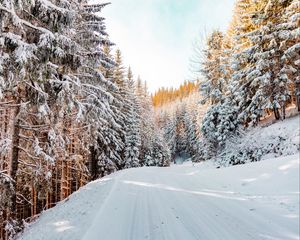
(219,120)
(190,120)
(214,85)
(261,78)
(289,43)
(37,58)
(262,49)
(220,123)
(147,128)
(272,84)
(161,155)
(133,123)
(179,122)
(110,142)
(181,131)
(170,133)
(62,103)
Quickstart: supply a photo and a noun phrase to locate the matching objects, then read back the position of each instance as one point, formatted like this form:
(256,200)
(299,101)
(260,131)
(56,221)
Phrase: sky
(157,37)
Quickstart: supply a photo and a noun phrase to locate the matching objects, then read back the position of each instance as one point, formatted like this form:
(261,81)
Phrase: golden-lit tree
(167,95)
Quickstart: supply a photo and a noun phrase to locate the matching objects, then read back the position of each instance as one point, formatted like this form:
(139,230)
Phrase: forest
(248,77)
(71,112)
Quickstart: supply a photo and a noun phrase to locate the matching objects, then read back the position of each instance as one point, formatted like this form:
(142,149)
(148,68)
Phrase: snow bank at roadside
(279,139)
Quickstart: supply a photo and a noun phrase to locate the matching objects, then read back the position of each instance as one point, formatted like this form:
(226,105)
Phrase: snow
(279,139)
(182,158)
(253,201)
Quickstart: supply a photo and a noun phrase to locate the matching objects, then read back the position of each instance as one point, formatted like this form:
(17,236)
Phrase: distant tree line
(166,95)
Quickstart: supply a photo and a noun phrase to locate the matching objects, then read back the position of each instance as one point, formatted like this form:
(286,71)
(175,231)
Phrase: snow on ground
(253,201)
(182,158)
(279,139)
(290,112)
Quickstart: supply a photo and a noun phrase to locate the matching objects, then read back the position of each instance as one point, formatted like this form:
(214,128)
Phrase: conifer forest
(81,131)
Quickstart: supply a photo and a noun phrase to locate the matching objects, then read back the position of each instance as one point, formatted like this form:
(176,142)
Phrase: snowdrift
(279,139)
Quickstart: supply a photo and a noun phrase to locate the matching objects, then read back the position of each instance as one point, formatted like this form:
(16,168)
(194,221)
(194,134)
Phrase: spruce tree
(272,84)
(161,155)
(214,85)
(37,65)
(133,134)
(289,43)
(147,127)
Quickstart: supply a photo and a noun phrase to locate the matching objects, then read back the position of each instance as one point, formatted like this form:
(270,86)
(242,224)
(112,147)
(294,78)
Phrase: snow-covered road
(253,201)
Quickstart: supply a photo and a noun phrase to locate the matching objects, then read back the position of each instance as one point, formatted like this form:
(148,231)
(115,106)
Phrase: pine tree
(214,86)
(109,157)
(260,81)
(219,122)
(161,155)
(170,134)
(243,66)
(133,135)
(100,94)
(261,40)
(37,63)
(289,43)
(146,113)
(181,131)
(60,101)
(190,123)
(273,91)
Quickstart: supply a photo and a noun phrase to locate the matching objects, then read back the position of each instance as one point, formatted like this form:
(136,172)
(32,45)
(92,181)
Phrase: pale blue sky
(156,36)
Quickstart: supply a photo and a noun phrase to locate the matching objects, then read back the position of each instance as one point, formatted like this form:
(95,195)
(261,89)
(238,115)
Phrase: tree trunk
(14,163)
(283,111)
(298,102)
(93,163)
(276,113)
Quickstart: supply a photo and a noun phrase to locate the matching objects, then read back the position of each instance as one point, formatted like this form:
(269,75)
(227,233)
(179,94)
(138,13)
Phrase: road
(255,201)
